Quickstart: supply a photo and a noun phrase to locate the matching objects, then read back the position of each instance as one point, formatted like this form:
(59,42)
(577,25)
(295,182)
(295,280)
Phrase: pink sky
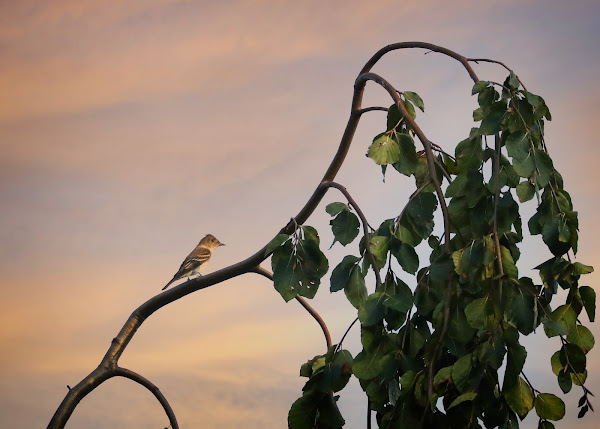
(132,128)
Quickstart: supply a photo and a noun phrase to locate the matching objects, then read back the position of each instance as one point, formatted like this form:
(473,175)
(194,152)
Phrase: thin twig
(365,224)
(426,145)
(266,273)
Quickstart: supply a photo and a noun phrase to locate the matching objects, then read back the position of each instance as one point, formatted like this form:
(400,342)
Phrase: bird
(198,259)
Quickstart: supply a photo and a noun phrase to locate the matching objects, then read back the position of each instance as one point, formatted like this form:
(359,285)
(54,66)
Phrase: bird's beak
(221,244)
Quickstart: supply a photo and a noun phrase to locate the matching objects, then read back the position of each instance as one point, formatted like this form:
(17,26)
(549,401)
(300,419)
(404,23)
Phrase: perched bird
(196,261)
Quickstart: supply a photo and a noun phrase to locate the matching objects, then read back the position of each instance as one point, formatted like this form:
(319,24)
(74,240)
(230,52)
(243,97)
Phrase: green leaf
(518,146)
(415,98)
(355,289)
(522,312)
(544,168)
(574,357)
(508,263)
(443,375)
(384,150)
(479,86)
(565,315)
(461,371)
(379,248)
(525,191)
(477,312)
(345,227)
(553,328)
(407,159)
(341,274)
(407,258)
(276,242)
(303,413)
(519,397)
(545,425)
(336,208)
(581,336)
(549,407)
(564,381)
(373,309)
(579,268)
(588,296)
(469,154)
(515,360)
(492,118)
(468,396)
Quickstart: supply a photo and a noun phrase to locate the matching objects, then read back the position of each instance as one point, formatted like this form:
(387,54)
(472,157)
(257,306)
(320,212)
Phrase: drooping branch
(107,366)
(123,372)
(266,273)
(427,145)
(365,225)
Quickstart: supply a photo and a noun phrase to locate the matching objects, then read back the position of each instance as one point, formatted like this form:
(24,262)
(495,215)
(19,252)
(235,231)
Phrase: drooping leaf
(384,150)
(525,191)
(345,227)
(549,407)
(341,274)
(461,371)
(355,289)
(588,296)
(468,396)
(415,98)
(581,336)
(477,312)
(469,154)
(372,310)
(519,397)
(407,157)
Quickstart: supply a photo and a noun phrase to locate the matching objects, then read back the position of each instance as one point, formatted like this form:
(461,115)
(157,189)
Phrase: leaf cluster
(432,348)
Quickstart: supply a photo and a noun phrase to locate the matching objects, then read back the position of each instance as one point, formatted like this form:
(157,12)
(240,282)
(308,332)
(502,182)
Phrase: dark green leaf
(341,273)
(477,312)
(479,86)
(544,168)
(461,371)
(276,242)
(518,146)
(522,312)
(373,310)
(588,296)
(407,158)
(469,154)
(564,381)
(345,227)
(407,258)
(355,289)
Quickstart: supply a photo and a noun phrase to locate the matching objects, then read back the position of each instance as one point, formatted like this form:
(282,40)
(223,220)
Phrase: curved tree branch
(105,369)
(365,224)
(127,373)
(263,272)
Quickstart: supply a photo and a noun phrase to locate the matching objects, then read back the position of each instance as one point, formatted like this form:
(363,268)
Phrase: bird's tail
(167,285)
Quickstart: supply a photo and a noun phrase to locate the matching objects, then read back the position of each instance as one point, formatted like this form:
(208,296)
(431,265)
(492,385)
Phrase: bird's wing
(193,261)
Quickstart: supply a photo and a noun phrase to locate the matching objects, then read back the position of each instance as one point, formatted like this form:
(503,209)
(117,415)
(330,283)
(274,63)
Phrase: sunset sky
(131,128)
